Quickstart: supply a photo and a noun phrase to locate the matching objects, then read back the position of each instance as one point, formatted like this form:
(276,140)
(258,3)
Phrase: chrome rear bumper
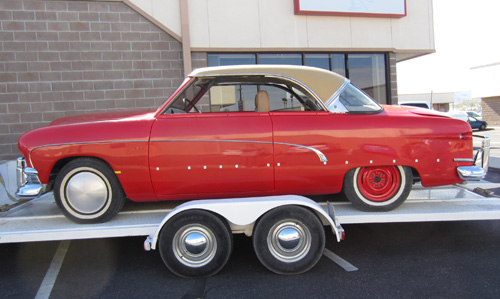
(481,161)
(28,184)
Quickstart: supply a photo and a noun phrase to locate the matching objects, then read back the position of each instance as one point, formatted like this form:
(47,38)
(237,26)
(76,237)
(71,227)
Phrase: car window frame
(341,108)
(289,82)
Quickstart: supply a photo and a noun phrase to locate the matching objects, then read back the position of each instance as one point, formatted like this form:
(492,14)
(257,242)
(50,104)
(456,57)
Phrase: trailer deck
(41,220)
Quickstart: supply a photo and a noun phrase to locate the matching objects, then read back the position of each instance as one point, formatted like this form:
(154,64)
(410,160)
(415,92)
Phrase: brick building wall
(59,58)
(491,110)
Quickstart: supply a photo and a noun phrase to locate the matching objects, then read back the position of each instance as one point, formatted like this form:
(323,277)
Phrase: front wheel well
(61,163)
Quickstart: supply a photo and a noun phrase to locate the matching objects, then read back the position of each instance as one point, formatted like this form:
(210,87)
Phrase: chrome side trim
(463,160)
(86,142)
(320,155)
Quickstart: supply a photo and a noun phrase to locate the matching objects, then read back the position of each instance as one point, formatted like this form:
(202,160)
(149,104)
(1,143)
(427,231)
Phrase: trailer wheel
(195,243)
(378,188)
(87,191)
(289,240)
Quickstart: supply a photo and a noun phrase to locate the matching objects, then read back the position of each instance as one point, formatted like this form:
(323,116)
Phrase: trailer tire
(378,188)
(195,243)
(289,240)
(88,191)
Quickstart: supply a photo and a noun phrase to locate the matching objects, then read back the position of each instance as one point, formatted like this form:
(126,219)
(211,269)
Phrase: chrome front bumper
(29,186)
(481,161)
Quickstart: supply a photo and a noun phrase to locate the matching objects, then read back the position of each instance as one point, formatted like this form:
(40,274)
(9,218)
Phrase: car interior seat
(262,101)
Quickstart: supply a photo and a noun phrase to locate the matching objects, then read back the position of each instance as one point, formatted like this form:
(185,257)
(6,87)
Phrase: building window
(331,62)
(290,59)
(231,59)
(368,71)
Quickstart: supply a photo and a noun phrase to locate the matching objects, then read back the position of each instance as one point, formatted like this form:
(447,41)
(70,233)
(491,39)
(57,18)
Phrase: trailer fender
(242,213)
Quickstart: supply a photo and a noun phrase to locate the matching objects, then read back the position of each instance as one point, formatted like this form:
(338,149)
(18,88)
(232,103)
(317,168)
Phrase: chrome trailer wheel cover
(289,241)
(194,245)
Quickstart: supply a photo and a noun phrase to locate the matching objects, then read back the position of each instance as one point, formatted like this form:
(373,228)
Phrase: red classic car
(245,131)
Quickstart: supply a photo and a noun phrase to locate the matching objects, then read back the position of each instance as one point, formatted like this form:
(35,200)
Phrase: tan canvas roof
(324,83)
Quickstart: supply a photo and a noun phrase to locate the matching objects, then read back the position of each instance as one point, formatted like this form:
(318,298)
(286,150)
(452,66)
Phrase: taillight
(466,136)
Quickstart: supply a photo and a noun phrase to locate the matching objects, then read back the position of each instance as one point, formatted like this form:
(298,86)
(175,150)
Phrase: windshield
(353,100)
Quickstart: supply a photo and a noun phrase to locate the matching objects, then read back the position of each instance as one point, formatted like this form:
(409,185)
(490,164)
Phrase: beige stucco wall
(167,12)
(272,25)
(485,81)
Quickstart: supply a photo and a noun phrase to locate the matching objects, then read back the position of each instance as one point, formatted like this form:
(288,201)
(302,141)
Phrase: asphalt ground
(399,260)
(410,260)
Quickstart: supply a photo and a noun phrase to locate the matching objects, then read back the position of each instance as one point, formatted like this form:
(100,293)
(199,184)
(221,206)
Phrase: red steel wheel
(378,188)
(378,183)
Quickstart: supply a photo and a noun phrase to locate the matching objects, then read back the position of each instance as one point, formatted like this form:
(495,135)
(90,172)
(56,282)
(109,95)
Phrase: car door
(304,153)
(220,150)
(303,144)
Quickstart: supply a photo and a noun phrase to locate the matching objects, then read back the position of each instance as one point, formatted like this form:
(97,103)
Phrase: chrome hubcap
(87,192)
(289,241)
(194,245)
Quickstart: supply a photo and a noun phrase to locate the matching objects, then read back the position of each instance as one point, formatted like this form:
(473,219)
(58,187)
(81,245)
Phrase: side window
(353,100)
(212,97)
(186,102)
(230,98)
(248,97)
(281,99)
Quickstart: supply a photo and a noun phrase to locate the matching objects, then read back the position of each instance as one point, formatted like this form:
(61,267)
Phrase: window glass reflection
(338,64)
(367,72)
(321,61)
(231,59)
(290,59)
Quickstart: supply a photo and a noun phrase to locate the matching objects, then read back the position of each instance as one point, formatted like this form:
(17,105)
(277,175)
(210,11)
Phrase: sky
(466,34)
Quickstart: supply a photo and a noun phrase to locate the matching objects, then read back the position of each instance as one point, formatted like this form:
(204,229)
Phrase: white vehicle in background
(427,105)
(419,104)
(475,114)
(459,115)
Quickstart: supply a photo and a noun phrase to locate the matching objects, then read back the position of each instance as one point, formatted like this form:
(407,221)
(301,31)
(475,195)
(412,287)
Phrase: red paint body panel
(214,154)
(393,137)
(227,154)
(122,143)
(237,154)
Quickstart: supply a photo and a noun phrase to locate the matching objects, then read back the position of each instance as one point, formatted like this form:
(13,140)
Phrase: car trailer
(195,238)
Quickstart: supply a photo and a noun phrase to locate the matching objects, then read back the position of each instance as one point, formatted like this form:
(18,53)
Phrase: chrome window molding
(338,92)
(279,76)
(185,84)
